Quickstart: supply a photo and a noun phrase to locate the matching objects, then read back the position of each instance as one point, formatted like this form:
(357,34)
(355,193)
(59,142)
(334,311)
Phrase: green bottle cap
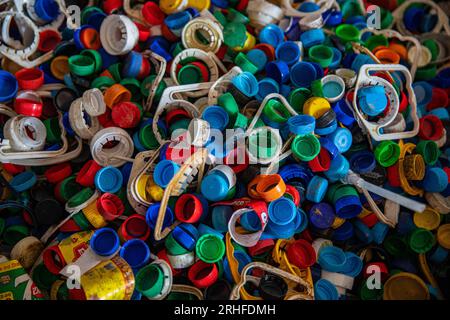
(386,18)
(15,233)
(43,278)
(80,197)
(220,17)
(102,82)
(347,33)
(376,41)
(115,70)
(134,86)
(298,97)
(305,147)
(234,34)
(237,17)
(150,280)
(421,240)
(276,111)
(426,73)
(173,247)
(146,85)
(81,65)
(242,61)
(321,54)
(53,130)
(210,248)
(387,153)
(68,188)
(429,151)
(147,137)
(432,45)
(317,88)
(228,102)
(81,221)
(241,121)
(189,74)
(95,56)
(396,245)
(370,294)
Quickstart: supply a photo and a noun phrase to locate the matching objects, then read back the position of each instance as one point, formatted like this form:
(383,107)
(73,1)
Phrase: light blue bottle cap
(204,229)
(317,188)
(282,211)
(312,37)
(379,232)
(372,100)
(220,216)
(353,266)
(108,179)
(164,171)
(214,187)
(267,86)
(23,181)
(325,290)
(342,139)
(271,34)
(258,58)
(332,258)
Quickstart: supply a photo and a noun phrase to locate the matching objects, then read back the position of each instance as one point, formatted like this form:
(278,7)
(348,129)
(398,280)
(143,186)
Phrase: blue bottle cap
(214,187)
(360,60)
(338,168)
(379,232)
(204,229)
(164,171)
(344,232)
(423,91)
(332,17)
(159,47)
(220,216)
(66,124)
(438,255)
(343,113)
(186,235)
(301,124)
(348,207)
(108,179)
(250,221)
(435,180)
(321,215)
(296,171)
(325,290)
(303,73)
(8,86)
(316,189)
(337,57)
(216,116)
(288,52)
(441,113)
(332,258)
(285,90)
(308,6)
(353,266)
(428,22)
(137,143)
(105,241)
(442,79)
(267,86)
(152,215)
(372,100)
(301,221)
(258,58)
(246,83)
(362,232)
(242,258)
(177,20)
(329,146)
(95,20)
(276,231)
(132,65)
(278,70)
(126,171)
(282,211)
(342,139)
(319,70)
(136,253)
(271,34)
(362,161)
(47,10)
(23,181)
(412,18)
(312,37)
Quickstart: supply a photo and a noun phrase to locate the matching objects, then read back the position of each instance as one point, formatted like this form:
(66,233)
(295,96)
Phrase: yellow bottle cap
(443,235)
(141,185)
(199,4)
(93,216)
(316,107)
(248,45)
(170,6)
(405,286)
(429,219)
(59,67)
(155,192)
(337,222)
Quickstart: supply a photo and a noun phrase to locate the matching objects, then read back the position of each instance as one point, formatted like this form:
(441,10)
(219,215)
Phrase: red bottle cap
(293,192)
(70,226)
(234,161)
(146,67)
(125,114)
(403,102)
(203,69)
(393,175)
(48,40)
(188,208)
(58,172)
(370,220)
(203,274)
(144,32)
(380,266)
(152,13)
(28,107)
(322,162)
(30,79)
(134,227)
(439,99)
(261,247)
(87,173)
(105,119)
(431,128)
(242,5)
(53,259)
(168,34)
(301,253)
(175,115)
(13,168)
(110,206)
(110,6)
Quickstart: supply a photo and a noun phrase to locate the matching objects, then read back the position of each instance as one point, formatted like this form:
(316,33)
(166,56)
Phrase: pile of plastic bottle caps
(224,149)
